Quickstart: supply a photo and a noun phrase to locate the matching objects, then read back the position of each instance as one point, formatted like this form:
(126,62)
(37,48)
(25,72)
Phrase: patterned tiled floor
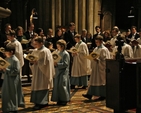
(78,104)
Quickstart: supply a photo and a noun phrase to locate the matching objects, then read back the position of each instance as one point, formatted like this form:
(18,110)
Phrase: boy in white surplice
(81,65)
(43,72)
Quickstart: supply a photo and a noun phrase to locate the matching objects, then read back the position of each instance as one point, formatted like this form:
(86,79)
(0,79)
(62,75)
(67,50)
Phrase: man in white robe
(136,49)
(127,50)
(43,72)
(81,65)
(18,48)
(139,39)
(114,37)
(98,75)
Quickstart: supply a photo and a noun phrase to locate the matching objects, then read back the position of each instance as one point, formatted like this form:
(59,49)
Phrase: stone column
(90,16)
(80,16)
(40,19)
(76,14)
(139,14)
(63,10)
(0,23)
(58,12)
(97,7)
(69,4)
(53,15)
(83,16)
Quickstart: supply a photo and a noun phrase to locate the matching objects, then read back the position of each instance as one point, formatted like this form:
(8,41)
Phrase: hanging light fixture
(131,12)
(34,13)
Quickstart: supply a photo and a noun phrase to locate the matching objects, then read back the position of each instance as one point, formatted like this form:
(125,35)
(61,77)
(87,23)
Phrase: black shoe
(84,87)
(100,99)
(43,105)
(62,103)
(12,112)
(72,86)
(87,96)
(37,107)
(58,103)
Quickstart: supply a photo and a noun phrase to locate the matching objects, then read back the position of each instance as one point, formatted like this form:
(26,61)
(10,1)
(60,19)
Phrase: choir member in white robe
(43,72)
(98,76)
(18,47)
(108,45)
(61,87)
(12,96)
(136,49)
(127,50)
(81,65)
(139,39)
(114,37)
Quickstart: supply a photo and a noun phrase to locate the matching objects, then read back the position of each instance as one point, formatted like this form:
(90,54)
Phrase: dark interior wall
(118,8)
(22,12)
(109,5)
(17,16)
(122,12)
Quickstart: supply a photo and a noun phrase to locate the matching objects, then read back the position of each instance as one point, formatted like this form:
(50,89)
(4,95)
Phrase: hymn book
(31,57)
(2,50)
(24,41)
(56,57)
(3,63)
(73,50)
(92,56)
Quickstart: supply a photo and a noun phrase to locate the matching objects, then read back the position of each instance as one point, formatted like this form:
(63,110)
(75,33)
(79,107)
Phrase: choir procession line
(59,62)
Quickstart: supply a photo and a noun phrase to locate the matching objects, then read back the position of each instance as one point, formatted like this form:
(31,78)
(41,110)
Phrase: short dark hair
(39,40)
(99,37)
(134,27)
(77,36)
(11,33)
(10,48)
(18,29)
(48,44)
(62,43)
(97,27)
(71,24)
(115,29)
(39,30)
(6,25)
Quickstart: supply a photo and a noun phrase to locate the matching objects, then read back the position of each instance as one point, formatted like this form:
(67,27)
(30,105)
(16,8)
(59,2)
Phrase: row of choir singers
(45,76)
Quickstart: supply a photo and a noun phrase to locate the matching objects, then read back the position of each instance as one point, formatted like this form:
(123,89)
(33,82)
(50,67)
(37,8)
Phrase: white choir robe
(112,55)
(18,52)
(127,50)
(137,51)
(139,40)
(112,41)
(98,75)
(43,72)
(81,66)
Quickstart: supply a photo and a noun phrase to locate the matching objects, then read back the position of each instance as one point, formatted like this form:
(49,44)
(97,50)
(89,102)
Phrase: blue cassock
(61,89)
(12,96)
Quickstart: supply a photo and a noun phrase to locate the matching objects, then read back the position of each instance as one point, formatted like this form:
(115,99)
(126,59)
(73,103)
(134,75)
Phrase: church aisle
(78,104)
